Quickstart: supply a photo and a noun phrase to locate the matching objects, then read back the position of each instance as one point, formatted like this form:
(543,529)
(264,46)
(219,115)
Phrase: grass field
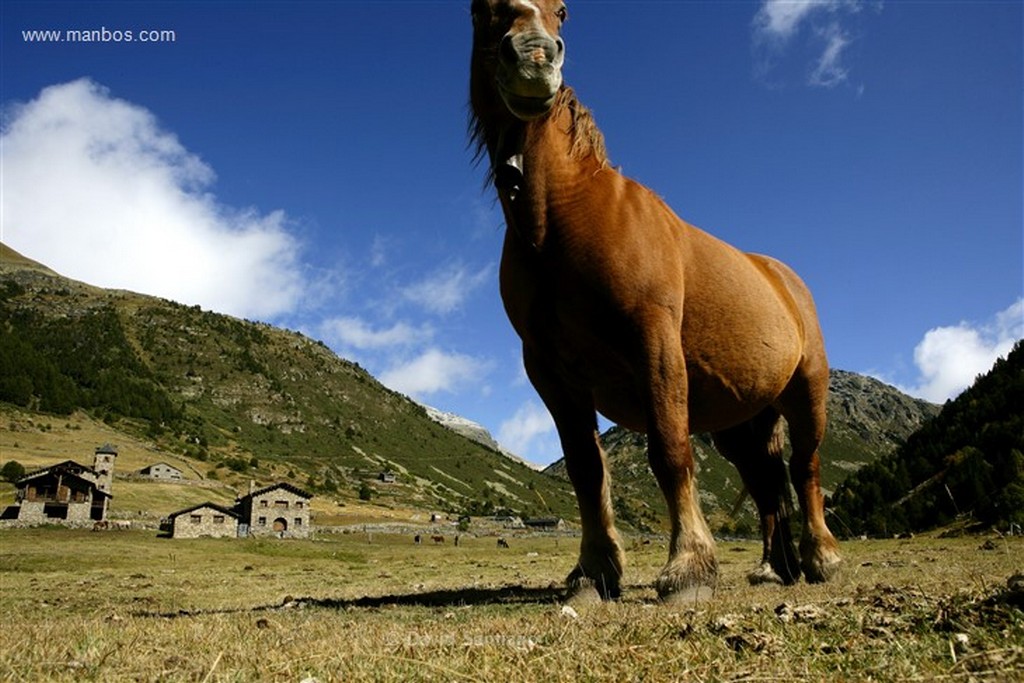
(128,606)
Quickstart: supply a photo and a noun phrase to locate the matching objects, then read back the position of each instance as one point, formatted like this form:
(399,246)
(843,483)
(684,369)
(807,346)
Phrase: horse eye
(562,14)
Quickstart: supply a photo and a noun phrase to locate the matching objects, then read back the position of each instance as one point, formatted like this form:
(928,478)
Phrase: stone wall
(34,511)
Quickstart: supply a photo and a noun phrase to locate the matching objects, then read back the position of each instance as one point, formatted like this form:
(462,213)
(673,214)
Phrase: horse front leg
(598,573)
(805,398)
(819,551)
(691,573)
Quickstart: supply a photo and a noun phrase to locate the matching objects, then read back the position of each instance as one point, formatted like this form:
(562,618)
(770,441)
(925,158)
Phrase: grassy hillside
(967,463)
(229,401)
(236,401)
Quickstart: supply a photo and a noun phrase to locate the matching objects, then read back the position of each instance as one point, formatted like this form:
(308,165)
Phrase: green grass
(130,607)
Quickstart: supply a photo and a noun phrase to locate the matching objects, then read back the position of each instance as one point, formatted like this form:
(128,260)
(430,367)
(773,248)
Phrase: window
(298,504)
(281,504)
(218,519)
(263,503)
(262,521)
(195,519)
(298,521)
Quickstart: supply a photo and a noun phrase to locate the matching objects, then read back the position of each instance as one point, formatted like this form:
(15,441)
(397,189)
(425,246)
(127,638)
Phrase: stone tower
(104,466)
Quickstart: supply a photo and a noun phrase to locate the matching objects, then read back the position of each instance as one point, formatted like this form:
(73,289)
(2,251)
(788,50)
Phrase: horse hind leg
(755,448)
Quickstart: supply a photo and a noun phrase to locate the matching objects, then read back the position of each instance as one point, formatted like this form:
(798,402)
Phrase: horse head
(519,53)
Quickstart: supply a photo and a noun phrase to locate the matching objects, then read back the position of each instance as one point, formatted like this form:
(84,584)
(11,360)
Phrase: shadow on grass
(454,597)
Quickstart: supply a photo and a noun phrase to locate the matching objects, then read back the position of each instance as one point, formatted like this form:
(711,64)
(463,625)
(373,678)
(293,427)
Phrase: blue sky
(305,164)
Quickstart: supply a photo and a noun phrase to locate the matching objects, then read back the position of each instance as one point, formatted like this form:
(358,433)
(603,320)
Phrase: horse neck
(550,173)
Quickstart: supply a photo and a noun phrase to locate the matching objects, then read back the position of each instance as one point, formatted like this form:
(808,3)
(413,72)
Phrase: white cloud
(829,71)
(778,24)
(447,289)
(949,359)
(94,188)
(435,371)
(357,333)
(780,19)
(378,251)
(530,424)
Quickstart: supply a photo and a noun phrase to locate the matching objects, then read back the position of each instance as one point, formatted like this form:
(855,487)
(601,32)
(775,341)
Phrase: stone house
(205,519)
(545,523)
(280,510)
(161,470)
(277,510)
(66,493)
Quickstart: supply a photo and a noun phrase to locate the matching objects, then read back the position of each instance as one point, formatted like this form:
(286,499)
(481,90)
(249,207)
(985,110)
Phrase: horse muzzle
(530,72)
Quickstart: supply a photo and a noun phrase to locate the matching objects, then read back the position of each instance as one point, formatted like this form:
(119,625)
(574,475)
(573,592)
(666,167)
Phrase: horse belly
(735,373)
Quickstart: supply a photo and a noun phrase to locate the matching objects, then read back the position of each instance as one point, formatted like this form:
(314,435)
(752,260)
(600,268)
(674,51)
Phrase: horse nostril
(507,51)
(559,52)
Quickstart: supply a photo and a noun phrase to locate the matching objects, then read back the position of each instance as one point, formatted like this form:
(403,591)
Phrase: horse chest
(565,322)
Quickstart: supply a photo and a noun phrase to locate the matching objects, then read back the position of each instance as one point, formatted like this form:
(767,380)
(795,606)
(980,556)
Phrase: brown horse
(625,309)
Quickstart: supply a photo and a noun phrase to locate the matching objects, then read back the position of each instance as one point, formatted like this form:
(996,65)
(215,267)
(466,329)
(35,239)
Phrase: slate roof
(155,464)
(67,467)
(218,508)
(281,485)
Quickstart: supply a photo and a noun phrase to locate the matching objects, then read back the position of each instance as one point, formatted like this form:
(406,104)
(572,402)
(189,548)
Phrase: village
(72,494)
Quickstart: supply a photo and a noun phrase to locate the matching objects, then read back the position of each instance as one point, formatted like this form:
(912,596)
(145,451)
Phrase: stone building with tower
(66,493)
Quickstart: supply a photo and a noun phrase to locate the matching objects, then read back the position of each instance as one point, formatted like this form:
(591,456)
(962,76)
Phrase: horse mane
(586,139)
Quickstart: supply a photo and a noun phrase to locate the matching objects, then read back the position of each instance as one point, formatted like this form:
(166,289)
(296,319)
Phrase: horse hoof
(691,595)
(582,583)
(583,595)
(584,590)
(822,571)
(764,574)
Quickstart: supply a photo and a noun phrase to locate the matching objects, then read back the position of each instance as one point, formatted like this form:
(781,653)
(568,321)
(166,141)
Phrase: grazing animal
(625,309)
(101,525)
(437,539)
(416,539)
(502,543)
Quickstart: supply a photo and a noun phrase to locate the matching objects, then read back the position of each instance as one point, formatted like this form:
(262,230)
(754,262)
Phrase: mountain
(867,420)
(474,432)
(240,400)
(967,463)
(232,400)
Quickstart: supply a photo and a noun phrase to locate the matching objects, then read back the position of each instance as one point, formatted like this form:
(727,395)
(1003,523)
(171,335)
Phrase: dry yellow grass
(130,607)
(36,442)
